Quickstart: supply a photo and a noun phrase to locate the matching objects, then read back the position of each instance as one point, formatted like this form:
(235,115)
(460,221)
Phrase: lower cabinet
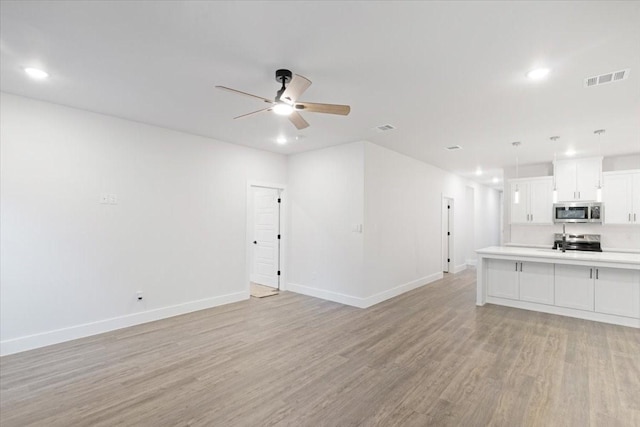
(617,292)
(502,278)
(574,287)
(536,282)
(603,290)
(520,280)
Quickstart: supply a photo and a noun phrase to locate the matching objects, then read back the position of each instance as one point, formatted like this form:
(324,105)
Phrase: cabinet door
(616,195)
(587,178)
(520,211)
(536,282)
(541,201)
(565,172)
(502,278)
(617,292)
(574,287)
(635,198)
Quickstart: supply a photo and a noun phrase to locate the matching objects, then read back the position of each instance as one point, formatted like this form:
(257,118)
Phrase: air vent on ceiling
(614,76)
(384,128)
(453,148)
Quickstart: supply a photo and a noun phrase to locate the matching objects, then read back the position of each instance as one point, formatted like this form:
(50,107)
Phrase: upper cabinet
(621,197)
(535,205)
(578,180)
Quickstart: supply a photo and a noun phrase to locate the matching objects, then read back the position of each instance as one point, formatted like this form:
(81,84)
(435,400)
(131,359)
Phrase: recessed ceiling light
(495,180)
(478,171)
(539,73)
(283,109)
(281,140)
(570,152)
(36,73)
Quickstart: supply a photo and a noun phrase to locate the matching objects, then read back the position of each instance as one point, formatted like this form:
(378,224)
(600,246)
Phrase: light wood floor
(428,357)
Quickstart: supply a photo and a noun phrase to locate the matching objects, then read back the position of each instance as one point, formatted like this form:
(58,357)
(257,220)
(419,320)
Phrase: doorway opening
(447,234)
(264,255)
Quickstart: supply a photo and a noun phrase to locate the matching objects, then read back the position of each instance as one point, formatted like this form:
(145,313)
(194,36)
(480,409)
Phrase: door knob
(255,242)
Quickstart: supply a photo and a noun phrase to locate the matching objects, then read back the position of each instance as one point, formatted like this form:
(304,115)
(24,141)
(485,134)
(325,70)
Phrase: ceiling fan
(286,100)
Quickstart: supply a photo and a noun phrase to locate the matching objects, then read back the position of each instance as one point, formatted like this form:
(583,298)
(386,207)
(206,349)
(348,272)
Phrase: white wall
(403,220)
(614,237)
(71,266)
(398,200)
(326,195)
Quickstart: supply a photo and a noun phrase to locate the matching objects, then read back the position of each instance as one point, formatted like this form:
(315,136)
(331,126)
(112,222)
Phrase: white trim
(368,301)
(570,312)
(459,268)
(43,339)
(401,289)
(471,262)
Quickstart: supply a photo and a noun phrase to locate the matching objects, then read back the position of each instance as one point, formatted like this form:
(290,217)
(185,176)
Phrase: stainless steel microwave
(578,212)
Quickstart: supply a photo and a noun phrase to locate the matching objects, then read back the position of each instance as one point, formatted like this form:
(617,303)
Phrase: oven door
(569,213)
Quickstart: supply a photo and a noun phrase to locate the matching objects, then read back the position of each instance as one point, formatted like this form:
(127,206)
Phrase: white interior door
(266,228)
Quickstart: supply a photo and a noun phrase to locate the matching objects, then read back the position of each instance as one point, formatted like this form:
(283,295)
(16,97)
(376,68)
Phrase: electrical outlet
(104,198)
(113,199)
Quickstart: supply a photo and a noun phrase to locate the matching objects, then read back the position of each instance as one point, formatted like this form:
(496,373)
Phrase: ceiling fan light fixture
(283,109)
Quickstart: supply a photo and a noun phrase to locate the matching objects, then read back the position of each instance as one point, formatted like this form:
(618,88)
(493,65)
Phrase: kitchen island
(599,286)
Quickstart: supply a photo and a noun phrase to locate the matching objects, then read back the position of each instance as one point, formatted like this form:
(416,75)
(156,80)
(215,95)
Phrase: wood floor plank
(427,357)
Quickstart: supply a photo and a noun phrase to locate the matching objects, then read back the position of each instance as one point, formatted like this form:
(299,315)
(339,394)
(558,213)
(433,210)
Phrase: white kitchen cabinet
(502,278)
(578,180)
(617,292)
(621,197)
(536,200)
(516,280)
(574,287)
(537,282)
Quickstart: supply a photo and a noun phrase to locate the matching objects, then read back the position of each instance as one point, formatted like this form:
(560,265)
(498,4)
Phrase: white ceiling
(443,73)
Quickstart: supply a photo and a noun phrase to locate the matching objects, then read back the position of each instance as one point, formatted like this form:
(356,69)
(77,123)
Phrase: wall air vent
(453,148)
(384,128)
(612,77)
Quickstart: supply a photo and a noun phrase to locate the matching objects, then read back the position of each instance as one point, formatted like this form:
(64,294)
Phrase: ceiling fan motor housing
(283,76)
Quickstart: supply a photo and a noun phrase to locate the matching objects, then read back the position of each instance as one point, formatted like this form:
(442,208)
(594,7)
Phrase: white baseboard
(43,339)
(363,302)
(459,268)
(401,289)
(324,294)
(471,262)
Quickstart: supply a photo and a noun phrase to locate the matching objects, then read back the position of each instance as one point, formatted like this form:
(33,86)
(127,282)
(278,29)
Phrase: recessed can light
(570,152)
(36,73)
(478,171)
(495,180)
(281,140)
(539,73)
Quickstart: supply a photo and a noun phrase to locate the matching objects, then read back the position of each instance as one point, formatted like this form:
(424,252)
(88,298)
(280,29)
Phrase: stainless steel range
(578,242)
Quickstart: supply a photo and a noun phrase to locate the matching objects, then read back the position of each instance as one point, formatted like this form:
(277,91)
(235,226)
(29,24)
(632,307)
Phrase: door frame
(447,200)
(282,226)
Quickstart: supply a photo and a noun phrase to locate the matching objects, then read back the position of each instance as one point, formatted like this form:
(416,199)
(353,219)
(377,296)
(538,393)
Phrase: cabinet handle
(591,273)
(516,266)
(520,267)
(531,217)
(629,217)
(634,217)
(578,194)
(597,274)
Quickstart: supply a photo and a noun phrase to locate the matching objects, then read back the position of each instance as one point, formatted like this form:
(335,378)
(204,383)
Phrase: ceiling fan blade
(252,113)
(298,121)
(296,87)
(342,110)
(228,89)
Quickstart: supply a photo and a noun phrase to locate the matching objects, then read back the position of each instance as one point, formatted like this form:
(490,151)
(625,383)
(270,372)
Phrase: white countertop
(606,257)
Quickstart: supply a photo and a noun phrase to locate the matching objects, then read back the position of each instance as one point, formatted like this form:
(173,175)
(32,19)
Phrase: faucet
(564,238)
